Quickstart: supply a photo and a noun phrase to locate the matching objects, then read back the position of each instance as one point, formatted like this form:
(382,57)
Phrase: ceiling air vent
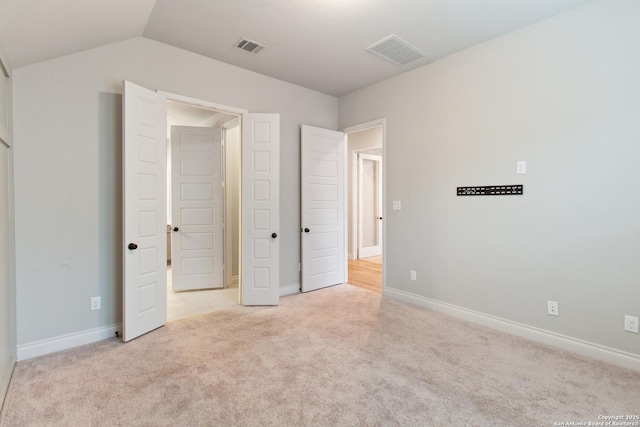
(249,45)
(396,50)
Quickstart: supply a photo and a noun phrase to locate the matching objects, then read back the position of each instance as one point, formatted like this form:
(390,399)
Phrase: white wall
(68,181)
(564,95)
(7,276)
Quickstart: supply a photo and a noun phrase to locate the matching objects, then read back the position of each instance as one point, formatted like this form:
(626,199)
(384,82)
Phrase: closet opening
(203,209)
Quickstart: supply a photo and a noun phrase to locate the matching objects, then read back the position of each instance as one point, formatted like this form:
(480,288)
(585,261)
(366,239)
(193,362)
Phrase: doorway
(144,206)
(366,209)
(202,255)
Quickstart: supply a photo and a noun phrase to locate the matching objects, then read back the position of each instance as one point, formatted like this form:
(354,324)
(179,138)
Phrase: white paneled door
(323,157)
(196,208)
(369,205)
(145,207)
(260,209)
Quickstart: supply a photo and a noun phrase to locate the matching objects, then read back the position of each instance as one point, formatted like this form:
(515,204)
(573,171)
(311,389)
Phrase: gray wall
(7,276)
(68,170)
(564,95)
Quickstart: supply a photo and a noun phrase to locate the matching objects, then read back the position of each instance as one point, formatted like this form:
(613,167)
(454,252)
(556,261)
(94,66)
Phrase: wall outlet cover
(631,324)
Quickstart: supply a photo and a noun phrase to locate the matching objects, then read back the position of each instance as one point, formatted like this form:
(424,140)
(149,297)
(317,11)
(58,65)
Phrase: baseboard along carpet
(341,356)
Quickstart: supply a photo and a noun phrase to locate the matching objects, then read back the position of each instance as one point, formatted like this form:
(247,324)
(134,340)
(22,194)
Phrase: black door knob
(274,235)
(306,230)
(175,229)
(132,246)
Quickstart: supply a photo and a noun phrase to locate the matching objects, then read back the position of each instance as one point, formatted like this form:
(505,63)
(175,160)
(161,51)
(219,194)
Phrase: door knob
(274,235)
(132,246)
(306,230)
(175,229)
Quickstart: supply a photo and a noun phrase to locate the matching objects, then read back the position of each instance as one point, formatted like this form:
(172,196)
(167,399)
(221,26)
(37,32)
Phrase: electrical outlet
(521,167)
(552,308)
(631,324)
(95,303)
(413,276)
(396,205)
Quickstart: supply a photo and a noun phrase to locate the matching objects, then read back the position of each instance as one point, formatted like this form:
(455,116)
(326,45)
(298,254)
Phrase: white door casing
(144,207)
(323,183)
(197,208)
(7,300)
(369,205)
(231,150)
(260,209)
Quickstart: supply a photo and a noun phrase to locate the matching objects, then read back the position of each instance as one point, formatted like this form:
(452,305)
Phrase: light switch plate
(397,205)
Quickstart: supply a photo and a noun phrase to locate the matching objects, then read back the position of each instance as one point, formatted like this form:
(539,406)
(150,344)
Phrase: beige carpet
(341,356)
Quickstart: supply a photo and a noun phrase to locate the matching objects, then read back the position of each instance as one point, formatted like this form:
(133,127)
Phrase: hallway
(366,273)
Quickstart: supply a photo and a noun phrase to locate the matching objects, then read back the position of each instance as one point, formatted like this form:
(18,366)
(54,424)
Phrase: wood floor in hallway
(366,274)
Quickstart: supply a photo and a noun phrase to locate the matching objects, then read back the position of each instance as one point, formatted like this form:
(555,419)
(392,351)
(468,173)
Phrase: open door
(197,241)
(145,207)
(260,209)
(369,205)
(323,159)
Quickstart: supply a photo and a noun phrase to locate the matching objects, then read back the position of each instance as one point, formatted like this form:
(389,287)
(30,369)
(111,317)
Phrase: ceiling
(318,44)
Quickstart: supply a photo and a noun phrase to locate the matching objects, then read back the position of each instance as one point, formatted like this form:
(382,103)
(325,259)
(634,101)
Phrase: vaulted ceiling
(318,44)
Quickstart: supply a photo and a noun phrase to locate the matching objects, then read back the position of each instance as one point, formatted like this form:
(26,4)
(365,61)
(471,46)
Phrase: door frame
(357,128)
(229,279)
(196,102)
(6,139)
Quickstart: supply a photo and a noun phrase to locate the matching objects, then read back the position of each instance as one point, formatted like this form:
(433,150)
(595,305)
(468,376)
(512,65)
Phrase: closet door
(260,209)
(323,223)
(369,205)
(196,208)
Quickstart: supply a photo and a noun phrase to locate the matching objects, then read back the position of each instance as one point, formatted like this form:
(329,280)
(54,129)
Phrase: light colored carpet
(338,356)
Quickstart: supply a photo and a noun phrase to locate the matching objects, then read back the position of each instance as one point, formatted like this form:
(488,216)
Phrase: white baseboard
(64,342)
(235,280)
(290,290)
(576,345)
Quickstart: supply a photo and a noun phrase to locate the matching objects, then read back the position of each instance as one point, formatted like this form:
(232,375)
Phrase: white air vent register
(396,50)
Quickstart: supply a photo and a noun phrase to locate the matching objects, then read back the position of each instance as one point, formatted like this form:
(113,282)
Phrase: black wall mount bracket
(491,190)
